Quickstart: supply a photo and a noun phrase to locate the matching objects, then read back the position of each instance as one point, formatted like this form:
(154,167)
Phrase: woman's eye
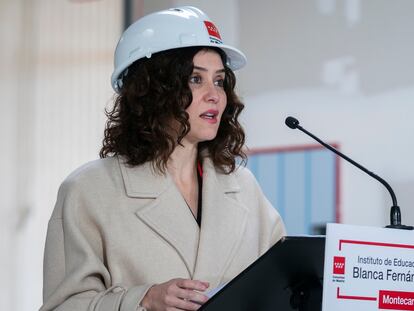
(195,79)
(219,82)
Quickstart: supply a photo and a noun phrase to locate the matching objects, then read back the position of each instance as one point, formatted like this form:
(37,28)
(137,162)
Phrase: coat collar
(207,252)
(142,181)
(223,223)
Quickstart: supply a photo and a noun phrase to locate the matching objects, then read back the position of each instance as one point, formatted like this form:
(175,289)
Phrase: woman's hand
(176,294)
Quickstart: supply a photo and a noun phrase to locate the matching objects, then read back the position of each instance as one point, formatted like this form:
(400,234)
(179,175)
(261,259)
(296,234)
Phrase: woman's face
(209,98)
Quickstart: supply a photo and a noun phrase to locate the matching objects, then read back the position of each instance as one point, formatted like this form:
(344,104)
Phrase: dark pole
(127,13)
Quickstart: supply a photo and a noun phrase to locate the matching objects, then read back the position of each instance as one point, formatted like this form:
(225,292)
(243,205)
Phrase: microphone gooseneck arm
(395,214)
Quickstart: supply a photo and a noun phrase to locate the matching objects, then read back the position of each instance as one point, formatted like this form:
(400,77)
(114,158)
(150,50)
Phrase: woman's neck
(182,162)
(183,170)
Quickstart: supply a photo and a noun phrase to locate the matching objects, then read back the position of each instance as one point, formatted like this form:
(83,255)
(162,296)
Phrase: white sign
(368,268)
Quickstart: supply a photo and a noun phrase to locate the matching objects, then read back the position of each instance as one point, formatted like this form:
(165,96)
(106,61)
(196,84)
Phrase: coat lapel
(223,223)
(167,214)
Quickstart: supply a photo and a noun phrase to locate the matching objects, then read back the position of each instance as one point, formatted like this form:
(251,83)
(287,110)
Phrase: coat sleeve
(75,275)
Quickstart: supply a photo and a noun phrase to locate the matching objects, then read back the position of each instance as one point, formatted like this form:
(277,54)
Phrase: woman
(165,214)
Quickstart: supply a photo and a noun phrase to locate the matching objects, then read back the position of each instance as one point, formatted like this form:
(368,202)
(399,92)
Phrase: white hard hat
(169,29)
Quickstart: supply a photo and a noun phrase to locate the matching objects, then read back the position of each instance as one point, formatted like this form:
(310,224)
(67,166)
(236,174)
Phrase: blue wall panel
(301,185)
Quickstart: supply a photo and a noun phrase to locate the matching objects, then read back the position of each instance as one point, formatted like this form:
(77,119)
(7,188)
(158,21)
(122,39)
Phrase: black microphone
(395,215)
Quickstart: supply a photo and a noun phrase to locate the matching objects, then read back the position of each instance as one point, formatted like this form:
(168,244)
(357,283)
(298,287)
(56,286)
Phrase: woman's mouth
(210,116)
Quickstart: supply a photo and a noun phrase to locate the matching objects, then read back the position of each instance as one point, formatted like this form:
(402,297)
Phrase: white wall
(56,60)
(376,132)
(344,68)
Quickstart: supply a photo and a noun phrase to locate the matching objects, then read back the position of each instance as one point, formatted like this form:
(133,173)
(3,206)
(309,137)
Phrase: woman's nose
(212,93)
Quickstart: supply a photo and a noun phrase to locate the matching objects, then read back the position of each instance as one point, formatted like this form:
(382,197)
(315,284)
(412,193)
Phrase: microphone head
(292,122)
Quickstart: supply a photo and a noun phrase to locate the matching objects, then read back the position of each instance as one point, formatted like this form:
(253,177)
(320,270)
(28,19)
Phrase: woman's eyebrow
(205,69)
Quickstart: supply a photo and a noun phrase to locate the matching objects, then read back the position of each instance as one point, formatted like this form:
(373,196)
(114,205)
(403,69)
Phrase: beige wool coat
(116,230)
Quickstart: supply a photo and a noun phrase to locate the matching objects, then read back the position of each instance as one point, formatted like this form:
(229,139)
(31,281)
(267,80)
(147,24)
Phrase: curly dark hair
(155,92)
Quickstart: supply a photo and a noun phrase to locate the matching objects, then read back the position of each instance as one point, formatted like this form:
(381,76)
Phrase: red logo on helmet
(212,29)
(339,265)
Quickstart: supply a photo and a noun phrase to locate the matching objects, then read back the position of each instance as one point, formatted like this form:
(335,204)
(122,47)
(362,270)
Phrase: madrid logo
(339,265)
(213,32)
(338,269)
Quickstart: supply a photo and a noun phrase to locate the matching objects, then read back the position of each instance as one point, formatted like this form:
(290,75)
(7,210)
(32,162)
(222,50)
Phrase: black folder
(289,276)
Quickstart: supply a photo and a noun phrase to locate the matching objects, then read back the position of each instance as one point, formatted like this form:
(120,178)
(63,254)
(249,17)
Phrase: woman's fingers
(193,296)
(181,294)
(183,304)
(191,290)
(192,284)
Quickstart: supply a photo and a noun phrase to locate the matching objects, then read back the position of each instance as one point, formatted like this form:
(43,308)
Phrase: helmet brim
(235,61)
